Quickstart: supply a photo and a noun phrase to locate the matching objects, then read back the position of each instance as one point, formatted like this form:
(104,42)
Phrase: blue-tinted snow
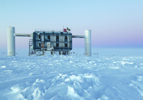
(110,74)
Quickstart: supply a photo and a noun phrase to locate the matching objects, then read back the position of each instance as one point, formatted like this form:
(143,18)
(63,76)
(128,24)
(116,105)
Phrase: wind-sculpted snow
(107,75)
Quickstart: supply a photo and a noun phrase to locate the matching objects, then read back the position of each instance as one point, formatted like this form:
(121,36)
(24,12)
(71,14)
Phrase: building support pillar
(11,41)
(87,42)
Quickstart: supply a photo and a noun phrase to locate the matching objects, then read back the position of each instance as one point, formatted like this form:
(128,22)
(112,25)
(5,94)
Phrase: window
(61,33)
(57,45)
(65,38)
(48,37)
(66,45)
(57,38)
(39,45)
(39,36)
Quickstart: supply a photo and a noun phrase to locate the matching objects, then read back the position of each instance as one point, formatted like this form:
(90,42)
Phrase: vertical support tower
(11,41)
(88,42)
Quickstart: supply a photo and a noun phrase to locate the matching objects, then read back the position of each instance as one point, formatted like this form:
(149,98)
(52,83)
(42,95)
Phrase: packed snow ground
(110,74)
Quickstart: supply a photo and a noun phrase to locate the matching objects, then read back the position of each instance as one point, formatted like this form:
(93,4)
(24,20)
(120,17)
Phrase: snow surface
(110,74)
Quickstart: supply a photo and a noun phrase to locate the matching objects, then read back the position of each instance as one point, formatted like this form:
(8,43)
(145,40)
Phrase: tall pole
(11,41)
(88,42)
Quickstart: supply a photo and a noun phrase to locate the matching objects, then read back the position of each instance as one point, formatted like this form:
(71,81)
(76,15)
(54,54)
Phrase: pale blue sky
(114,23)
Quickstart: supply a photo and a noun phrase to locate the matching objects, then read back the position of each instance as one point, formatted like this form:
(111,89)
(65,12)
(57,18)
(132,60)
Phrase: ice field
(109,74)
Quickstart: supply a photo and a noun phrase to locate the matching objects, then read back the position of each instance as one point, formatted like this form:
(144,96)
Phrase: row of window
(57,37)
(57,45)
